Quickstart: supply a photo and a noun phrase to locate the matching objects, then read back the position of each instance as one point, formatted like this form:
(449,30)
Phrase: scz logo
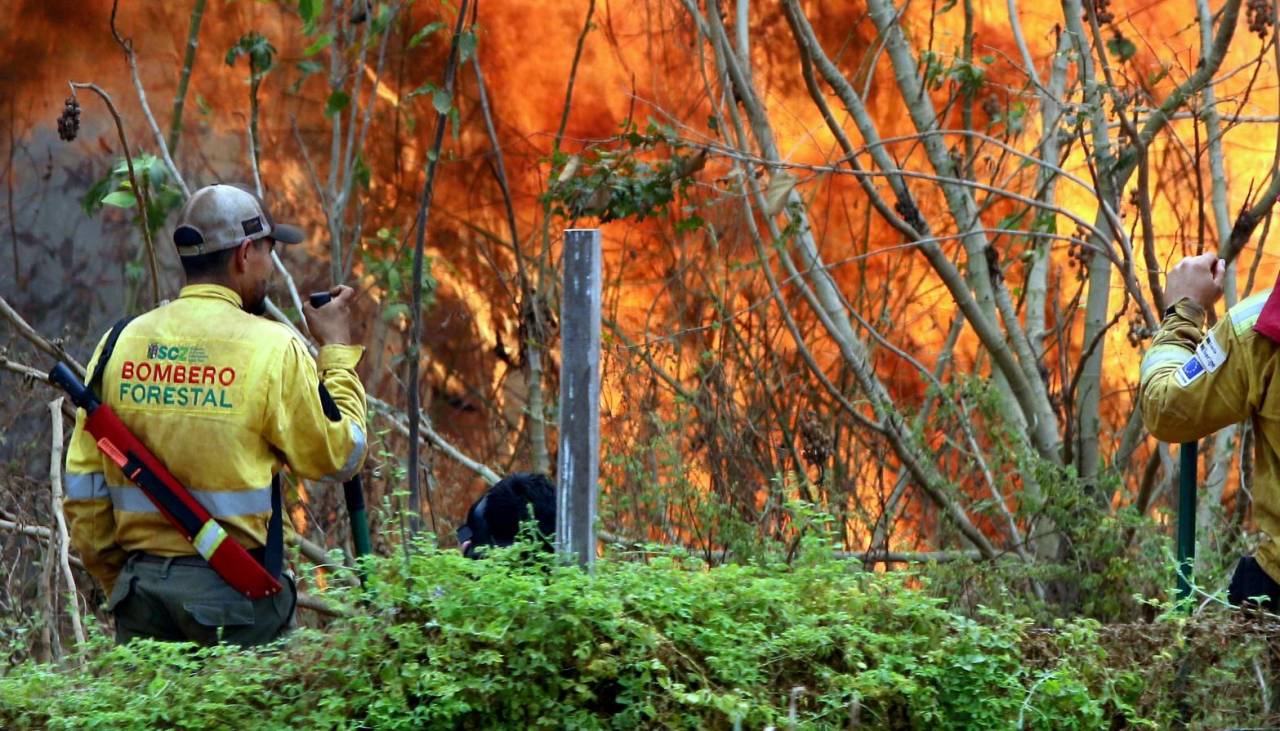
(180,353)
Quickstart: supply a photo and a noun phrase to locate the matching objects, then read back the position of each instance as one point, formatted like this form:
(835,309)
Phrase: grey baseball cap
(219,217)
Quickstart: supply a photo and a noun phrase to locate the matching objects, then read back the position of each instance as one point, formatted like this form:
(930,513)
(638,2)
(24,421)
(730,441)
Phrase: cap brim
(286,234)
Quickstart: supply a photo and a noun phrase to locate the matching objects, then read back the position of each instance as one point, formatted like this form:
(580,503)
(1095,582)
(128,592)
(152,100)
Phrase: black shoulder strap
(273,552)
(95,383)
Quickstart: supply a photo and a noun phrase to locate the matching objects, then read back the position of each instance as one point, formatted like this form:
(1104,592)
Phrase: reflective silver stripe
(86,486)
(1162,355)
(209,538)
(353,460)
(131,499)
(219,503)
(1245,314)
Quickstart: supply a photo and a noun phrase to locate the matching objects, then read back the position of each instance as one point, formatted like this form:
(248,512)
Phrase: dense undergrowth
(664,642)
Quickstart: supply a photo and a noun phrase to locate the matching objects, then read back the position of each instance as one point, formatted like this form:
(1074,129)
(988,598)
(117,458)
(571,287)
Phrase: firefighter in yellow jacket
(226,400)
(1195,383)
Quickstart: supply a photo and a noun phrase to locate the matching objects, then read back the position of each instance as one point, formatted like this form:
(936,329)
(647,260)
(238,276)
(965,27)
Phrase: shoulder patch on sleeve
(1210,353)
(1190,371)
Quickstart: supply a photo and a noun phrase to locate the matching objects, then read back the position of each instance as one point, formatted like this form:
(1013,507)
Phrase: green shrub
(514,641)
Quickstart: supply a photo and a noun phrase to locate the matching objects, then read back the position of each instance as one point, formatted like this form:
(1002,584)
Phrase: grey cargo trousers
(184,599)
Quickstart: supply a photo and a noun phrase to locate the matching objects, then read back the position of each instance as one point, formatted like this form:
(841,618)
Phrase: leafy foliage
(516,641)
(617,180)
(114,189)
(257,49)
(384,259)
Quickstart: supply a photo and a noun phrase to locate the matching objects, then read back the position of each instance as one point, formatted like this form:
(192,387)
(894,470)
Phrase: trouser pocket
(236,612)
(121,592)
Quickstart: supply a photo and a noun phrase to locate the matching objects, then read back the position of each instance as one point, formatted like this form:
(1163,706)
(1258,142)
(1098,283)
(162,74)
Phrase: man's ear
(241,258)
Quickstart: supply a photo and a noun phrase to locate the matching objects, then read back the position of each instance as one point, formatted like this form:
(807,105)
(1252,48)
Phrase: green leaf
(392,312)
(307,10)
(362,173)
(338,101)
(467,46)
(307,68)
(424,89)
(425,31)
(441,100)
(259,50)
(381,19)
(1122,48)
(321,43)
(120,199)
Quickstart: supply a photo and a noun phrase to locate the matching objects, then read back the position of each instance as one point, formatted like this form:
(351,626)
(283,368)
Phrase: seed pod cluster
(1079,255)
(1260,13)
(991,106)
(1138,331)
(1101,10)
(815,442)
(69,120)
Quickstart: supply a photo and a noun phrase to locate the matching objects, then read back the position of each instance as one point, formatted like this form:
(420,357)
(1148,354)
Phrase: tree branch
(127,45)
(139,192)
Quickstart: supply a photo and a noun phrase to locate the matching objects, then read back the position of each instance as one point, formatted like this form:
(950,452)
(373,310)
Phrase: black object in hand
(320,299)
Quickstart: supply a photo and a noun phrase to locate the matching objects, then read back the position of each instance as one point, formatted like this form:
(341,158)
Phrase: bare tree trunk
(1046,185)
(1098,297)
(1224,442)
(1028,389)
(1035,408)
(824,299)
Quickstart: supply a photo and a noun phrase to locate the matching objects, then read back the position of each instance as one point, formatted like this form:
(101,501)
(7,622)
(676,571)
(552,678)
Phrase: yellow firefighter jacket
(1193,384)
(224,399)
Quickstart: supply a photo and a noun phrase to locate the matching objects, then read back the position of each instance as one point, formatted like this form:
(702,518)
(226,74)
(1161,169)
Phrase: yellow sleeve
(315,416)
(87,504)
(1192,384)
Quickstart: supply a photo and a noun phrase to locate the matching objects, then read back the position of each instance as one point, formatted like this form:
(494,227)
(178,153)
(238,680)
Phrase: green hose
(1188,456)
(354,494)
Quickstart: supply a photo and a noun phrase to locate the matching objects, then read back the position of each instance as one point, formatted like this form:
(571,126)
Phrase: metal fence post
(578,462)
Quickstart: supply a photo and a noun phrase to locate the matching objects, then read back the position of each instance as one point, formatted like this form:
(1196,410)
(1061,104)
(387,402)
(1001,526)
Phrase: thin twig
(23,370)
(188,61)
(34,531)
(292,288)
(423,217)
(274,310)
(53,349)
(64,540)
(400,422)
(319,606)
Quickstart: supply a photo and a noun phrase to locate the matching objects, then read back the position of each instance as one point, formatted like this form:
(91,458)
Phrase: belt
(194,559)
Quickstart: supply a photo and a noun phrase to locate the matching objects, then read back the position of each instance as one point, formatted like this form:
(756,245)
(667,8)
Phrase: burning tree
(1012,430)
(869,267)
